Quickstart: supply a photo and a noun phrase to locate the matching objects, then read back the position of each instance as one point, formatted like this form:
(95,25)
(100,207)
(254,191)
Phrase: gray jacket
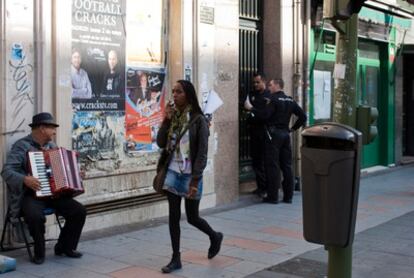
(16,168)
(199,133)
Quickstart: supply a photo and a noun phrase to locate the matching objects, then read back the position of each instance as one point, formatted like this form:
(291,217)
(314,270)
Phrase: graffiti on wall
(21,73)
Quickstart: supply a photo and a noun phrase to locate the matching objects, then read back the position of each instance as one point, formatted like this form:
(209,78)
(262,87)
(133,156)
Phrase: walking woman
(185,171)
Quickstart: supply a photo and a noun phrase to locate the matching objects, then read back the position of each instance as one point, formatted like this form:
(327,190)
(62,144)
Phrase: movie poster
(98,55)
(144,108)
(96,134)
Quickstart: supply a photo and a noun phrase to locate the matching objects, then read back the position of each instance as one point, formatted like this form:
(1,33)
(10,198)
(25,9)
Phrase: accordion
(58,172)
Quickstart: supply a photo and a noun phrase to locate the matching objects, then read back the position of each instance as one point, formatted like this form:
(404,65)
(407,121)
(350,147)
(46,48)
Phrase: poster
(144,29)
(98,55)
(97,134)
(322,91)
(118,77)
(145,102)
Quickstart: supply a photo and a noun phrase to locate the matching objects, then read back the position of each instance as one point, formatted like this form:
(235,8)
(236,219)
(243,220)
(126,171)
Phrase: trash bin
(331,155)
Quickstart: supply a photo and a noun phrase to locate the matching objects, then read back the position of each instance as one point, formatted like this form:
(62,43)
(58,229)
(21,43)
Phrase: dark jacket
(199,133)
(16,168)
(259,101)
(278,112)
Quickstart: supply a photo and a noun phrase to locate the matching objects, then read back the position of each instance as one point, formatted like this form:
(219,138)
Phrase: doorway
(408,106)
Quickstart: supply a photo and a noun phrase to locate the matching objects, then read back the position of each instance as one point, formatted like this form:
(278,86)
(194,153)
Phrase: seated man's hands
(32,182)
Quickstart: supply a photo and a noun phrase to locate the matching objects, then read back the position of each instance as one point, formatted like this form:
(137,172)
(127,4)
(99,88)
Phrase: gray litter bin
(331,154)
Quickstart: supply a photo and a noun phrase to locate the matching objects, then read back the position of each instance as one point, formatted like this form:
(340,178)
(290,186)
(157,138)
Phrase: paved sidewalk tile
(257,245)
(279,231)
(200,258)
(140,272)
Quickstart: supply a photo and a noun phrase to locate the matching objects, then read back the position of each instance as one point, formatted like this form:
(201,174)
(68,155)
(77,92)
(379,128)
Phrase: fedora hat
(43,118)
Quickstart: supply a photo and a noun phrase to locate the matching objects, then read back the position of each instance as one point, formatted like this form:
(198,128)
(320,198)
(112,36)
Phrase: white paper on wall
(213,102)
(322,94)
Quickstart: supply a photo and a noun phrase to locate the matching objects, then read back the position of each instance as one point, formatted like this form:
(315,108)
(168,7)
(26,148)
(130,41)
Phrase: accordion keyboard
(40,172)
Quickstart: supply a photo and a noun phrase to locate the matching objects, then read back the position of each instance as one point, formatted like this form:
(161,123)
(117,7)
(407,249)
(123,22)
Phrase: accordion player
(58,172)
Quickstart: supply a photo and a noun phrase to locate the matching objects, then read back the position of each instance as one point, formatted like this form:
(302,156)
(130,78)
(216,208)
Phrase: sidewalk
(256,237)
(383,251)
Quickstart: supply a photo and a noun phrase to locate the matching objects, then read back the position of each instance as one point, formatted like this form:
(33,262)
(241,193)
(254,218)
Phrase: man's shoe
(270,201)
(174,264)
(68,253)
(287,201)
(259,192)
(215,245)
(38,260)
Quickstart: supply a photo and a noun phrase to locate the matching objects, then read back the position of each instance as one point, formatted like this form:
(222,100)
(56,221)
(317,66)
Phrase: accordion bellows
(58,172)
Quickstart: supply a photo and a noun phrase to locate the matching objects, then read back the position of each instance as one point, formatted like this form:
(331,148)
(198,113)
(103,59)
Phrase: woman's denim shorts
(178,184)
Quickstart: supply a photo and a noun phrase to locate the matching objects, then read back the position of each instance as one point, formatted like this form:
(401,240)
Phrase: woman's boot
(174,264)
(215,245)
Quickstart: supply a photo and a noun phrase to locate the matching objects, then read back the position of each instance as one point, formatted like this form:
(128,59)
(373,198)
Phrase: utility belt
(273,131)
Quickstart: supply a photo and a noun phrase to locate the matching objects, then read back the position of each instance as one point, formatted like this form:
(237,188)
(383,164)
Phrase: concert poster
(144,111)
(96,134)
(98,55)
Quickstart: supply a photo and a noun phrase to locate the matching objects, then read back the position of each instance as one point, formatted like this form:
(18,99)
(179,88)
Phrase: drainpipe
(297,84)
(38,53)
(2,106)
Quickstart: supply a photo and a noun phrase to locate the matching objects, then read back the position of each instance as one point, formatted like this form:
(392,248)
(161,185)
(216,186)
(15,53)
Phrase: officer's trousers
(257,153)
(278,158)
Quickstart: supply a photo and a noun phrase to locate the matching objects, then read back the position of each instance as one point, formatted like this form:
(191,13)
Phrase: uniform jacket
(278,111)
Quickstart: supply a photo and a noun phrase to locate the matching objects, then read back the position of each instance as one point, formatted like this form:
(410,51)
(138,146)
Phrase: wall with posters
(118,78)
(106,77)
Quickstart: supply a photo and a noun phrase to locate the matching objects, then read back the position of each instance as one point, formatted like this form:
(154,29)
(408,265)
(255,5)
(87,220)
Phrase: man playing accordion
(22,197)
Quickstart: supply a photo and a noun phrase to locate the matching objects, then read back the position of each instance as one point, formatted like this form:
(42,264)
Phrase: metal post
(345,97)
(344,112)
(340,262)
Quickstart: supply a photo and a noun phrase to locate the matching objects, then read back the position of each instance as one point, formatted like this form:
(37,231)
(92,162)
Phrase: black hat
(43,118)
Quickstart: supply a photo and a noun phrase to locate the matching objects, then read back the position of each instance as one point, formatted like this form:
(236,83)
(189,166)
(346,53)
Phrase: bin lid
(332,130)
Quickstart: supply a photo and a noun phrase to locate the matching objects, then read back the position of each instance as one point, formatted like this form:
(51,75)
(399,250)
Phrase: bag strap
(187,126)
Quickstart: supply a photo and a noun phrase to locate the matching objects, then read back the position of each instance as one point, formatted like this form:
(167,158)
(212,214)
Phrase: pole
(344,112)
(340,262)
(345,97)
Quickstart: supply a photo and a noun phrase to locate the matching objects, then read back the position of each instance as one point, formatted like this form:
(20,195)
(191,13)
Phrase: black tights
(193,217)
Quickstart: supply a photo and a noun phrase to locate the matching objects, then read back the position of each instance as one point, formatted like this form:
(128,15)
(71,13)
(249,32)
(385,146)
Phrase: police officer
(278,156)
(258,99)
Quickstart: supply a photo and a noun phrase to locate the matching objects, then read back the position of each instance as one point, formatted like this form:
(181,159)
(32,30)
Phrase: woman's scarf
(178,121)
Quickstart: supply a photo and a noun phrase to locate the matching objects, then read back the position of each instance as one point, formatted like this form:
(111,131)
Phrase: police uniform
(278,155)
(257,138)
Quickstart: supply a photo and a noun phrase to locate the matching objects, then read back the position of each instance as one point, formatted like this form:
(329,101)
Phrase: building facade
(127,55)
(382,32)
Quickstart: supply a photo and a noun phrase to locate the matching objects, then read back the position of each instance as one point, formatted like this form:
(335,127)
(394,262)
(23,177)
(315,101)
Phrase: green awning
(384,18)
